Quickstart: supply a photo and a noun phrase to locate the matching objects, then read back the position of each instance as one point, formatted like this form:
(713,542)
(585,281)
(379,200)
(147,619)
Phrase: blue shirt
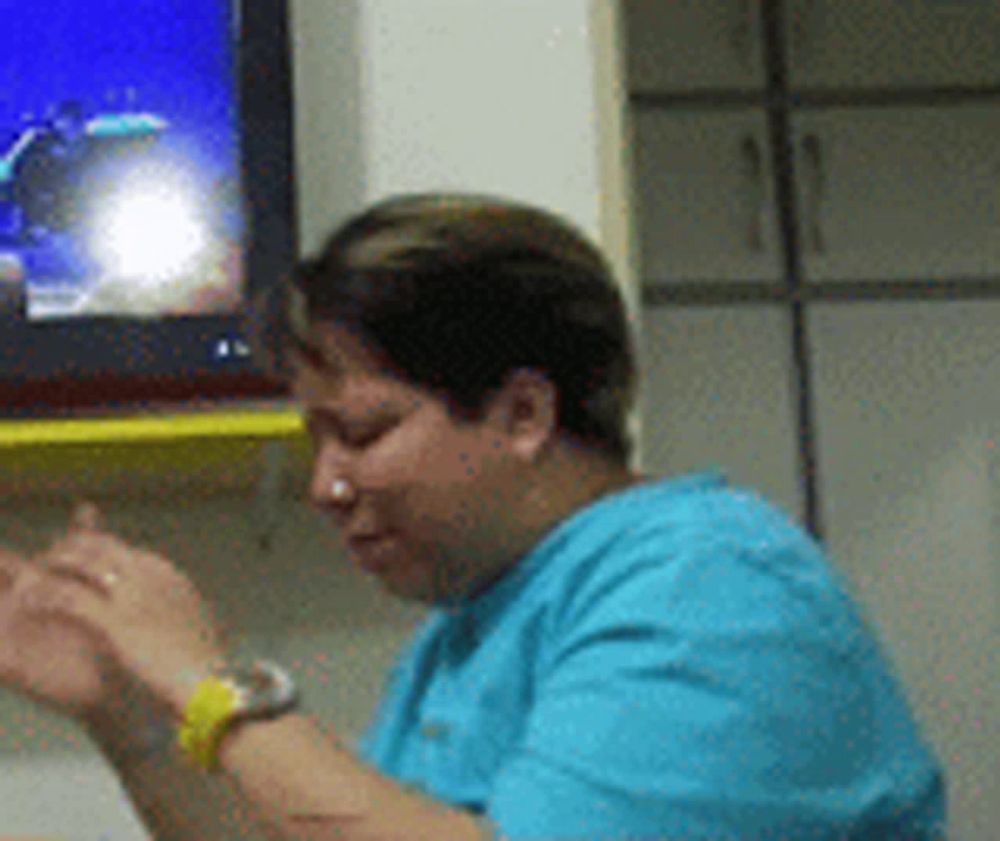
(674,661)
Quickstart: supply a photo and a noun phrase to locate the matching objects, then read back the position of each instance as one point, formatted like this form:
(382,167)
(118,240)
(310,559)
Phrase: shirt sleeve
(716,695)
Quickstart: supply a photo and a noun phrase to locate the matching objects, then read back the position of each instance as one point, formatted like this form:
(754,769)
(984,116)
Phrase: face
(428,515)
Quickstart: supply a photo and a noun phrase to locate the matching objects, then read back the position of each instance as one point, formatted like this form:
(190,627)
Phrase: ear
(526,412)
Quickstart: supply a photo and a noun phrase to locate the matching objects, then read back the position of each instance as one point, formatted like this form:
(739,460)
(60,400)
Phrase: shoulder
(710,593)
(692,511)
(658,531)
(694,623)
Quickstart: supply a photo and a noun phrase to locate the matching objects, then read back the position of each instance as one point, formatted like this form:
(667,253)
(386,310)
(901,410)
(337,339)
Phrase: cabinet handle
(815,176)
(753,162)
(742,32)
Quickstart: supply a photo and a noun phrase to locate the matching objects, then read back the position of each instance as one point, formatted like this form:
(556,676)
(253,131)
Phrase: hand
(55,663)
(153,625)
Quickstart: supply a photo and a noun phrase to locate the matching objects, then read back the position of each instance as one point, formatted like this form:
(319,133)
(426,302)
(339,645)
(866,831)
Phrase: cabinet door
(898,44)
(717,393)
(693,45)
(705,196)
(899,193)
(908,411)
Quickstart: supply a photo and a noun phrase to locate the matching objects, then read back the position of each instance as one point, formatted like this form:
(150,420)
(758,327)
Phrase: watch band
(220,701)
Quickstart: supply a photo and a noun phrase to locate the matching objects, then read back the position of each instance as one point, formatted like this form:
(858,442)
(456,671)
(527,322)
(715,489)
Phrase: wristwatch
(265,690)
(229,698)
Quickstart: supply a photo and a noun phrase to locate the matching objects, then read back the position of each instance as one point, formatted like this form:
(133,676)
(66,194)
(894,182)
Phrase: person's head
(455,355)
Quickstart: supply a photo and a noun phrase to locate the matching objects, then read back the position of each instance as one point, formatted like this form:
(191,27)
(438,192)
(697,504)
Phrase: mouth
(373,553)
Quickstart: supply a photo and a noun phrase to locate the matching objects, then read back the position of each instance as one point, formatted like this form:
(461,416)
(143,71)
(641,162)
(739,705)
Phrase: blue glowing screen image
(120,158)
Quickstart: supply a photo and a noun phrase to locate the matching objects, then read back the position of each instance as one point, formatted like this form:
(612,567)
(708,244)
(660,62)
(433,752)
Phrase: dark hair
(457,291)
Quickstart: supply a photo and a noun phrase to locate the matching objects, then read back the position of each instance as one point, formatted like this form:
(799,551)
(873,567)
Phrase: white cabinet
(908,408)
(892,179)
(717,392)
(693,45)
(899,193)
(892,43)
(705,196)
(893,192)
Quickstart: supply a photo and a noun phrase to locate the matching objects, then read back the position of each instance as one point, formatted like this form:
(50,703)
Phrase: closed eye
(364,437)
(322,426)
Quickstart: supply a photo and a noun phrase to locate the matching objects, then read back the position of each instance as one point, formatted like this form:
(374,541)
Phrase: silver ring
(340,490)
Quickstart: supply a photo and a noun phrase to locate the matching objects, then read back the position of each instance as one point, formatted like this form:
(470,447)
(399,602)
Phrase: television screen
(145,198)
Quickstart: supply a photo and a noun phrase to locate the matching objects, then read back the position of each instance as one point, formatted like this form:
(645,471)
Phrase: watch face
(267,689)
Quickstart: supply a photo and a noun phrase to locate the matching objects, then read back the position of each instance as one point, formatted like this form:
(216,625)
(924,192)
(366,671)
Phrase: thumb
(11,565)
(86,517)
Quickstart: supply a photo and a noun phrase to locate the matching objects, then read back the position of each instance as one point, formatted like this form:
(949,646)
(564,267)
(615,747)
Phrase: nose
(332,485)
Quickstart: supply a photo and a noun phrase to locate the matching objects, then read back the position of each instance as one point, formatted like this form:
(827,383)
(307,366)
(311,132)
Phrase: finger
(84,549)
(87,559)
(71,567)
(11,567)
(65,601)
(86,517)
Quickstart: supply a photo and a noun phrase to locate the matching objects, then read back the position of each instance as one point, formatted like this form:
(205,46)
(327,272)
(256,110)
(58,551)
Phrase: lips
(363,542)
(371,551)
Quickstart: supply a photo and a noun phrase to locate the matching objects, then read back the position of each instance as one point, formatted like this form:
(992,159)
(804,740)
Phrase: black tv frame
(101,365)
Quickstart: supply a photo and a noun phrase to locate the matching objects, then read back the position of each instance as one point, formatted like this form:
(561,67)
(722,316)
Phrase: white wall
(391,95)
(496,96)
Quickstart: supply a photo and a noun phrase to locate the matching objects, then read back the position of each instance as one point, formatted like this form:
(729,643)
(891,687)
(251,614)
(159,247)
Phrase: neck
(570,480)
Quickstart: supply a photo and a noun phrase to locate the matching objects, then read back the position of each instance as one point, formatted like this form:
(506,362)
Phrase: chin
(423,592)
(409,590)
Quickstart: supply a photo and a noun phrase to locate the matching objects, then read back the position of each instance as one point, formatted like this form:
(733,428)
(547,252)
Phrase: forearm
(316,788)
(279,780)
(175,801)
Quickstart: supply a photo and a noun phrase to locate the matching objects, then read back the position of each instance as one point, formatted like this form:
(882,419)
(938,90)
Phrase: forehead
(337,367)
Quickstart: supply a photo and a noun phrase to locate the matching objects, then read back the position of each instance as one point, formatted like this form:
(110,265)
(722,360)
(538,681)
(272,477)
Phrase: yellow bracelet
(211,709)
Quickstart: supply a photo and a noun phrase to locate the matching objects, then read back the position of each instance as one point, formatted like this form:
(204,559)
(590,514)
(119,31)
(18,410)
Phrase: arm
(116,638)
(278,780)
(719,693)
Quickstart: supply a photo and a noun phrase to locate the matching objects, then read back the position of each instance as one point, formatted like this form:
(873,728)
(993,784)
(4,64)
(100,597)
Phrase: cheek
(442,495)
(460,494)
(430,480)
(428,459)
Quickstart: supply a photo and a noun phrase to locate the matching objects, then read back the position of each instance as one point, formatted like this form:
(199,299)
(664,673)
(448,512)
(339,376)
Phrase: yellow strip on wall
(153,429)
(52,457)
